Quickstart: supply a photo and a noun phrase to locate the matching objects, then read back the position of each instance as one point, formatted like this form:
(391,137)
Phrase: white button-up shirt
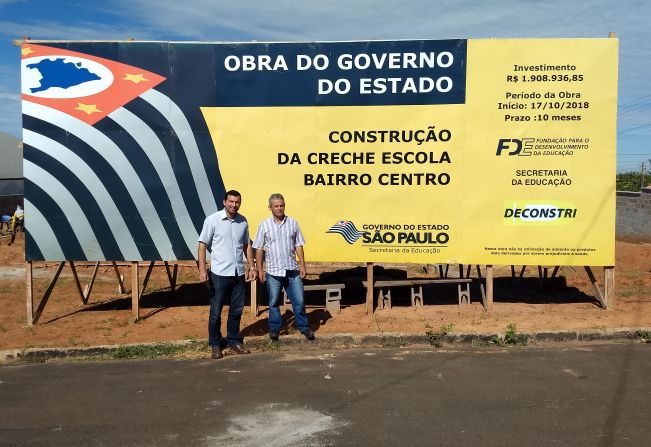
(279,241)
(226,240)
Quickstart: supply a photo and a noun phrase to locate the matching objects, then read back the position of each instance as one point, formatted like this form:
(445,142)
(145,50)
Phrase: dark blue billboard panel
(119,163)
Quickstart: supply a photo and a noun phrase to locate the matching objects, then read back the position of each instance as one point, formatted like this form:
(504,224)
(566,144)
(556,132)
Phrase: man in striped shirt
(281,239)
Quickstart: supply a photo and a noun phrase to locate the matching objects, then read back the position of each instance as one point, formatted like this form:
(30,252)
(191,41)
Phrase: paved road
(580,396)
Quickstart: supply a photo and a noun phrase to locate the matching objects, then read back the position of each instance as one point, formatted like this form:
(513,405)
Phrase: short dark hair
(233,193)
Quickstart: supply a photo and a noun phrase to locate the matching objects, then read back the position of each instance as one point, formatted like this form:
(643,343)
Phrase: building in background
(11,173)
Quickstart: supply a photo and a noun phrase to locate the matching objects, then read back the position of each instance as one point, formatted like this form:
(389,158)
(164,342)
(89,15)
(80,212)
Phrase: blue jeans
(225,290)
(293,284)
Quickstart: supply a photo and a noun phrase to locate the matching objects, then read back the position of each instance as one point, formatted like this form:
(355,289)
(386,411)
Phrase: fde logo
(515,146)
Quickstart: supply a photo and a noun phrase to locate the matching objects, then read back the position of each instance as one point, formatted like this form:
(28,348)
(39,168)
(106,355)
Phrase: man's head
(277,206)
(232,202)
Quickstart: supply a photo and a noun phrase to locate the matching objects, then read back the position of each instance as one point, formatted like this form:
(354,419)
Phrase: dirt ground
(566,303)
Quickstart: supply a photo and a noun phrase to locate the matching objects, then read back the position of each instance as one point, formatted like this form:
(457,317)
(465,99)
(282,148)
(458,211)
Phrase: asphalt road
(578,396)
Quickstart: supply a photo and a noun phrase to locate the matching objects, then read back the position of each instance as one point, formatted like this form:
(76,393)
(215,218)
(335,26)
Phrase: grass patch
(157,350)
(644,336)
(394,343)
(510,338)
(270,346)
(626,293)
(436,337)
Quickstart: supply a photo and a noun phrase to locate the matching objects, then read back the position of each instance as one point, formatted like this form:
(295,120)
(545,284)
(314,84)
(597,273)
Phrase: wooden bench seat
(333,296)
(416,285)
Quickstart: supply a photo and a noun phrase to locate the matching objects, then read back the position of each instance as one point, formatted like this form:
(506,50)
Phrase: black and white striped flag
(109,176)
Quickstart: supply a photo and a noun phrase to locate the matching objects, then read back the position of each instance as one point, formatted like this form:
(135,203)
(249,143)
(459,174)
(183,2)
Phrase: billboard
(498,151)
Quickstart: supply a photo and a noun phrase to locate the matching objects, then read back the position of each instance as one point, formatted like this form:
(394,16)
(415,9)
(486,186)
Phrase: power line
(633,128)
(637,99)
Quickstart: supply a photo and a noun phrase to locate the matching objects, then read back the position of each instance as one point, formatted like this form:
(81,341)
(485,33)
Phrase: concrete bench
(333,296)
(416,285)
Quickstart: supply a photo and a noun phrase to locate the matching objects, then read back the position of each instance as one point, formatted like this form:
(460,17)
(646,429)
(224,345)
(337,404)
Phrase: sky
(294,20)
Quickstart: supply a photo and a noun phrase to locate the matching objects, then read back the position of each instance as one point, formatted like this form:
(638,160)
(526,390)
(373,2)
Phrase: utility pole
(642,184)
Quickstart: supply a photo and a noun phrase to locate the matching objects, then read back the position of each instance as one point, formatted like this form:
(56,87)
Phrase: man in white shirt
(281,239)
(226,235)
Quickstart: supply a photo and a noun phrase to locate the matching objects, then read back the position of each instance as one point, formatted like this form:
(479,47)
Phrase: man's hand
(302,271)
(201,258)
(251,275)
(261,276)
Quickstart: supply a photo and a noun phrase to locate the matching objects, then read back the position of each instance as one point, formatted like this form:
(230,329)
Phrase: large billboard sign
(430,151)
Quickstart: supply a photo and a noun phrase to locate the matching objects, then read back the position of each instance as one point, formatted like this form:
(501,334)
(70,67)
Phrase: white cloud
(287,20)
(10,97)
(388,19)
(74,31)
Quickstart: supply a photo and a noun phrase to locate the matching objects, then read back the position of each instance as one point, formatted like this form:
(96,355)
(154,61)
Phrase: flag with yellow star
(82,85)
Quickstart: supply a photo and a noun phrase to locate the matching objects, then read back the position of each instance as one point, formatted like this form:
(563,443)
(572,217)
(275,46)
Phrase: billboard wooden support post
(482,287)
(29,283)
(33,316)
(76,278)
(171,275)
(607,297)
(254,298)
(488,302)
(85,293)
(369,289)
(135,292)
(150,267)
(609,287)
(121,288)
(89,287)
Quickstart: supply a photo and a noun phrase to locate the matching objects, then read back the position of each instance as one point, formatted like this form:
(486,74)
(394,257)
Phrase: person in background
(17,218)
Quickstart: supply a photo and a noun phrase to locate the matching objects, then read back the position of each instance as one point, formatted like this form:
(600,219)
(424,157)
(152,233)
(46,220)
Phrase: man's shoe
(217,353)
(309,334)
(273,335)
(239,349)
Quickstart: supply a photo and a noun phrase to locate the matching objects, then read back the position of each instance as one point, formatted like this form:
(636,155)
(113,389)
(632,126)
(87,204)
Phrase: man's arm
(302,271)
(251,272)
(201,255)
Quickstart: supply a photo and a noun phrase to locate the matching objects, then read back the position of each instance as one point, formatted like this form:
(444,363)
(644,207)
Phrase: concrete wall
(634,215)
(11,187)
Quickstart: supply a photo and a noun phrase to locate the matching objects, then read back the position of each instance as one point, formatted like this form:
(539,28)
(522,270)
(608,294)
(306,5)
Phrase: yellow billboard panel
(517,168)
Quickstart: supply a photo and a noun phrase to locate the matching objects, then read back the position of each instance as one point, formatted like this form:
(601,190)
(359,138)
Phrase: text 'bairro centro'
(408,158)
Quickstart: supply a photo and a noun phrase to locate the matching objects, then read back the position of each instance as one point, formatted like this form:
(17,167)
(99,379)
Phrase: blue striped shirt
(226,240)
(279,241)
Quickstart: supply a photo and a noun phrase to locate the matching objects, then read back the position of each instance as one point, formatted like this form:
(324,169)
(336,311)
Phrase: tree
(630,181)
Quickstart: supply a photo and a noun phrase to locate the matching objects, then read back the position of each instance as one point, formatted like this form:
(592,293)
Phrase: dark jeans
(225,290)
